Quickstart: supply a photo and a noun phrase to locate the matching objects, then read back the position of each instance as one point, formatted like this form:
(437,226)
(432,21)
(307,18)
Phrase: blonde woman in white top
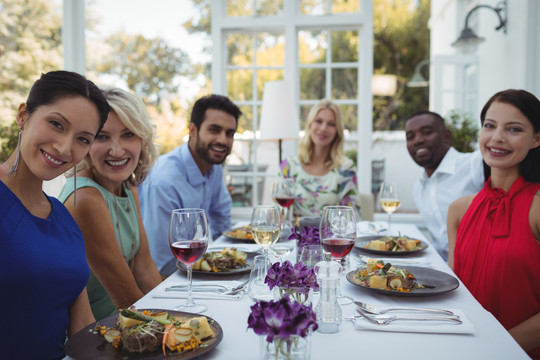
(323,174)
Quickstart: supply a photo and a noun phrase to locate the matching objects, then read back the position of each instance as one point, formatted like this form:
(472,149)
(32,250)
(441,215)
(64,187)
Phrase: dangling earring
(75,185)
(13,168)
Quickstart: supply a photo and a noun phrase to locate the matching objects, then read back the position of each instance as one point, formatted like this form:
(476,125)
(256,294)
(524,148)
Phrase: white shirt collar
(447,165)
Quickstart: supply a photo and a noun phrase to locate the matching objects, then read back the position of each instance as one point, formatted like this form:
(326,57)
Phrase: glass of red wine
(337,233)
(188,239)
(284,194)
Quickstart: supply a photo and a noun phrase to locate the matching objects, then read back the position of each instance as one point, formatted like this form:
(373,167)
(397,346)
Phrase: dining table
(483,337)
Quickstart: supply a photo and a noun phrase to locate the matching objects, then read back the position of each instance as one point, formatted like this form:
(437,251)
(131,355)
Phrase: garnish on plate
(393,243)
(144,331)
(221,261)
(380,275)
(243,233)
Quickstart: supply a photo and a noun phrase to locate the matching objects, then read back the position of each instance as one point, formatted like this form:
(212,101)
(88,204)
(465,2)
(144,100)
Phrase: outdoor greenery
(148,66)
(401,41)
(463,129)
(30,43)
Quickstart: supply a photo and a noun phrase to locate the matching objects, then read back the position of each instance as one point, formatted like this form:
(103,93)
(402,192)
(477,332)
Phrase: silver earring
(75,186)
(13,168)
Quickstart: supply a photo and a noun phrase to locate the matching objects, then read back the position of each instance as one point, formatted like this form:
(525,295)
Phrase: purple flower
(286,275)
(282,318)
(308,235)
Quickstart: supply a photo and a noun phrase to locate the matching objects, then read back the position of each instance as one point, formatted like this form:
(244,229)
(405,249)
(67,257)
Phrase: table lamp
(279,116)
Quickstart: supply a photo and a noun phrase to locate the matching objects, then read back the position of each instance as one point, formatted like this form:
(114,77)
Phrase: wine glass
(390,202)
(265,224)
(188,239)
(283,193)
(338,234)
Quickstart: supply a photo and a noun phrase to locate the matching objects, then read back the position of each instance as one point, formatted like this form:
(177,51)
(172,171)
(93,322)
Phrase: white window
(322,47)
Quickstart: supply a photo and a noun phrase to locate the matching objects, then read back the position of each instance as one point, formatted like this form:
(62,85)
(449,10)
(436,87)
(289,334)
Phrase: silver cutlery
(217,288)
(371,309)
(386,320)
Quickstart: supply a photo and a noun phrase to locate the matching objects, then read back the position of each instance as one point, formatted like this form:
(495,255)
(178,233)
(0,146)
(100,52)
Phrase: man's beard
(202,150)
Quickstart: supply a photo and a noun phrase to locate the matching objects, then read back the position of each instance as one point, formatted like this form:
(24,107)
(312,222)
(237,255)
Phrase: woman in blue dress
(43,269)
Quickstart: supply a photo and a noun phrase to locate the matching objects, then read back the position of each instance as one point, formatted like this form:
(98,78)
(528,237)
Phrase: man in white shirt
(448,173)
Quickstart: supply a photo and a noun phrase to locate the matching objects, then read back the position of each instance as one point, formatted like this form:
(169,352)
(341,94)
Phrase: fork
(216,288)
(388,320)
(371,309)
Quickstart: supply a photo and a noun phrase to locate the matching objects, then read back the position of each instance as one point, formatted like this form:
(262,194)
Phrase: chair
(367,206)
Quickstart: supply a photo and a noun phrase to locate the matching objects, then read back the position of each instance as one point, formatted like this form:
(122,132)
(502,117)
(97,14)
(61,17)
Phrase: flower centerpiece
(297,281)
(307,233)
(285,327)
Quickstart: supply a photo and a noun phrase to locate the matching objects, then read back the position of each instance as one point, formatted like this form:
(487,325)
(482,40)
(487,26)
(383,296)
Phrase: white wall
(505,60)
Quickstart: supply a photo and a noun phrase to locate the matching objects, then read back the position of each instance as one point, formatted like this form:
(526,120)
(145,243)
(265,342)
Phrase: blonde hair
(133,114)
(305,147)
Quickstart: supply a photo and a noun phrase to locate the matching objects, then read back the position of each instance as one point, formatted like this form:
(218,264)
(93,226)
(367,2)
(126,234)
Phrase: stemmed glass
(390,202)
(265,226)
(337,232)
(283,193)
(188,239)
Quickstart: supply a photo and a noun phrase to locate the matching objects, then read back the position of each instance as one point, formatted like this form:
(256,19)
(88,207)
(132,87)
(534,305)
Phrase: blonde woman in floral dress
(323,174)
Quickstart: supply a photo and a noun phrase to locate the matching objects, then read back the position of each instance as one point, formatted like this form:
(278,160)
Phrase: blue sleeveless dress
(43,269)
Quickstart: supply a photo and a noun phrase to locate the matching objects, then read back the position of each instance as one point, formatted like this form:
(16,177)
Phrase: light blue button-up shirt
(176,182)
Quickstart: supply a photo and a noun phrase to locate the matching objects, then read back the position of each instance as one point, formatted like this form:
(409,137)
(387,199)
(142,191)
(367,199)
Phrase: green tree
(401,40)
(30,40)
(463,129)
(149,67)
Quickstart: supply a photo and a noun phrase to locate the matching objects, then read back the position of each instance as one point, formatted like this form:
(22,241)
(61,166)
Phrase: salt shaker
(329,316)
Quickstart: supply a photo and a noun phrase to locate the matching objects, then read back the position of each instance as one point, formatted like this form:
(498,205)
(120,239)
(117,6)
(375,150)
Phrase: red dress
(497,256)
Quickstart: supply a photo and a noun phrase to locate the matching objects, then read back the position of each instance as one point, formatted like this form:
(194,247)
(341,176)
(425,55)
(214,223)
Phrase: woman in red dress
(494,236)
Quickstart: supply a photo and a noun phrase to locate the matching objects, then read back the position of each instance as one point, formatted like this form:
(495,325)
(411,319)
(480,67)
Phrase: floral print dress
(338,187)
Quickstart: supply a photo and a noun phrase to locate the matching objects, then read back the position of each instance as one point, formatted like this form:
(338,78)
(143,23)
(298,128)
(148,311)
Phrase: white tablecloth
(490,341)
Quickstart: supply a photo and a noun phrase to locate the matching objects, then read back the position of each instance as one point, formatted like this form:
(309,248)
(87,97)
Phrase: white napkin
(431,326)
(376,228)
(196,295)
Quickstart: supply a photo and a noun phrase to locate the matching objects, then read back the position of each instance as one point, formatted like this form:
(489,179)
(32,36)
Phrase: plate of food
(242,233)
(412,281)
(225,261)
(390,245)
(146,334)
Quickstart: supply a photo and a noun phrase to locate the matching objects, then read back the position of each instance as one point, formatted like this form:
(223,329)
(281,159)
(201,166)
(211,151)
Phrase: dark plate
(438,282)
(363,241)
(245,269)
(86,345)
(230,235)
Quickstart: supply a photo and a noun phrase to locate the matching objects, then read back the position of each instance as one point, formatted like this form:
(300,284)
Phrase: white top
(458,174)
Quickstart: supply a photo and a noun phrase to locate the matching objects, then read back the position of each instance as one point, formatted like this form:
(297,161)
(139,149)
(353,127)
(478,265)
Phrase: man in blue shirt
(191,176)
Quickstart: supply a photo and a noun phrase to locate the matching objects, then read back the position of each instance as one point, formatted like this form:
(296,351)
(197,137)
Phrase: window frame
(290,23)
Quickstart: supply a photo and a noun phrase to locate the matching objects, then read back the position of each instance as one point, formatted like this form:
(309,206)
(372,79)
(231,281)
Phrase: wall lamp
(418,80)
(469,37)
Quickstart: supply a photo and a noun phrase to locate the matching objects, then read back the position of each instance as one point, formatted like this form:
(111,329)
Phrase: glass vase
(294,347)
(300,295)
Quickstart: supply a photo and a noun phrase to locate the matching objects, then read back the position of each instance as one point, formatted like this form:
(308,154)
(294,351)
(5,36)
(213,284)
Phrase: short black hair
(216,102)
(427,112)
(58,84)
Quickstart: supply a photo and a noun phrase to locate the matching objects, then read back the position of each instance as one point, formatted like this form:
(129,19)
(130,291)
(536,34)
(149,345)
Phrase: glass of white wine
(390,201)
(265,226)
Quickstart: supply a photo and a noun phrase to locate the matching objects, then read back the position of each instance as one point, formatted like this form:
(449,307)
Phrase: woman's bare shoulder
(459,206)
